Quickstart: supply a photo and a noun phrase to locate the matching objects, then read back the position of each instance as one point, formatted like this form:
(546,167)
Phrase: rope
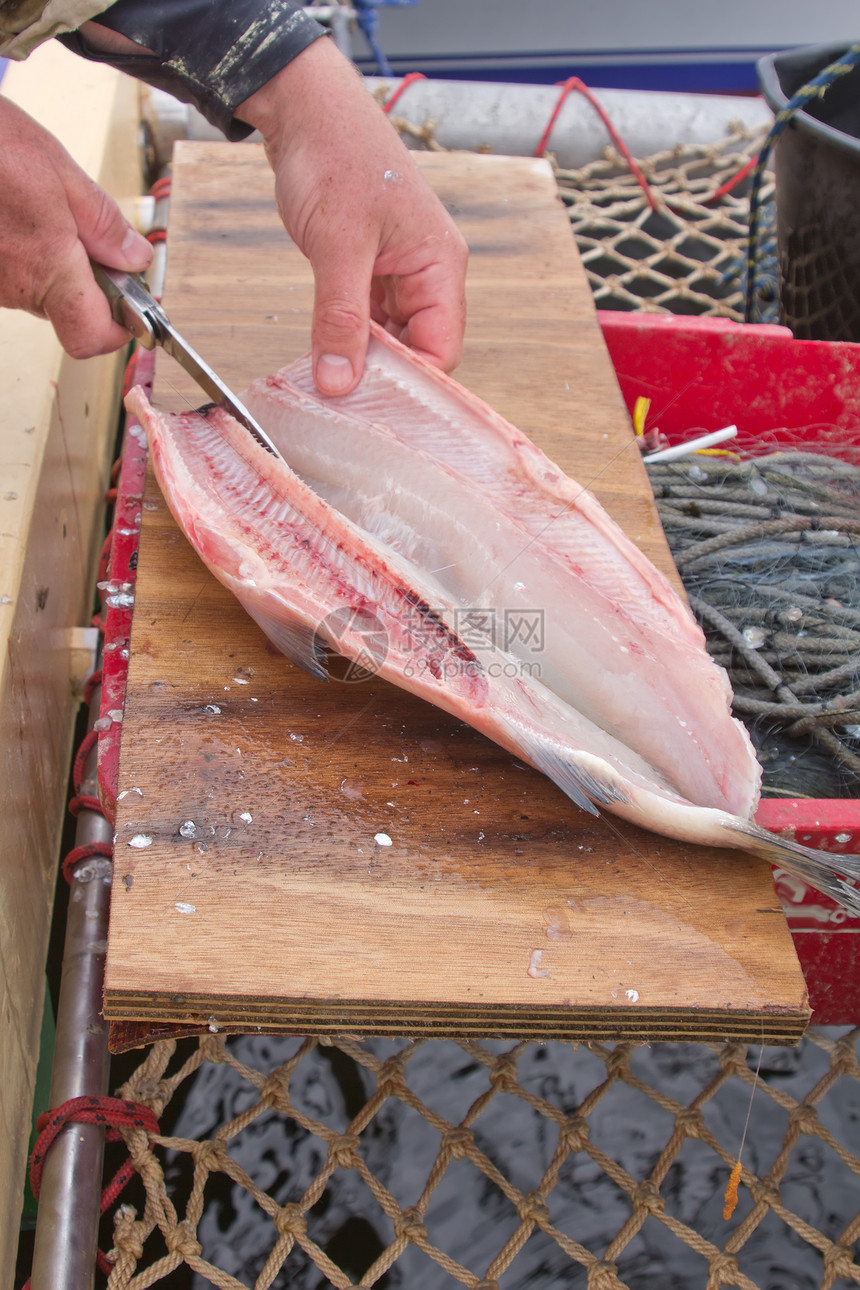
(816,88)
(82,802)
(84,852)
(574,83)
(404,85)
(111,1113)
(776,584)
(93,681)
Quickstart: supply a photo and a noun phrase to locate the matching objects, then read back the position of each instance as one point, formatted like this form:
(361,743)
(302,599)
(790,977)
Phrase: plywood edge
(57,427)
(443,1020)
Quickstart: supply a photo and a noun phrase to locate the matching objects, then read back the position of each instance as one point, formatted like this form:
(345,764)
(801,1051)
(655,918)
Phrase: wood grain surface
(498,907)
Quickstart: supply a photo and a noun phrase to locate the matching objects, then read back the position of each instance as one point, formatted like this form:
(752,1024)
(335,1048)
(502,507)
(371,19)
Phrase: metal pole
(482,115)
(67,1221)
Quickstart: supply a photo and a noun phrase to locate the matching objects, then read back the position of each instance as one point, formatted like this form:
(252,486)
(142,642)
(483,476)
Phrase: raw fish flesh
(419,534)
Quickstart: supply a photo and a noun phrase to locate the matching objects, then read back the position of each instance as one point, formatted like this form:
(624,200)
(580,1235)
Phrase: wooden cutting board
(340,857)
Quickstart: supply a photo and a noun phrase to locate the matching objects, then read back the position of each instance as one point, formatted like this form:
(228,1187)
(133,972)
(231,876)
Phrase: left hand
(53,220)
(354,201)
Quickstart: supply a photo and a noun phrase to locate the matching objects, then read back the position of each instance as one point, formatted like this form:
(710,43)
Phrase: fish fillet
(418,533)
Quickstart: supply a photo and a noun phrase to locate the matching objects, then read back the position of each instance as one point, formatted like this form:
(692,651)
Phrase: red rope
(81,802)
(730,183)
(574,83)
(161,188)
(404,85)
(94,679)
(90,738)
(113,1114)
(83,852)
(84,803)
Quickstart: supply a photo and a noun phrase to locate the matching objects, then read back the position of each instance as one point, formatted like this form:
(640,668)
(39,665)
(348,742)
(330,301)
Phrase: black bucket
(817,166)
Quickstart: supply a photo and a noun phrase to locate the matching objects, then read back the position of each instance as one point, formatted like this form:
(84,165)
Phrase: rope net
(670,234)
(437,1164)
(308,1163)
(684,251)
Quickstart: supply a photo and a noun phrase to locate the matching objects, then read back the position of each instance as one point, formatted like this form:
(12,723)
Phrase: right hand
(353,199)
(53,220)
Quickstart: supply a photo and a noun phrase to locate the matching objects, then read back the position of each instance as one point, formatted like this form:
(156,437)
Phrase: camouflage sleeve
(24,24)
(212,53)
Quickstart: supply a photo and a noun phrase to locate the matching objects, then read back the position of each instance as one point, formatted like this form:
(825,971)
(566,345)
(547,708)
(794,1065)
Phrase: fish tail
(834,875)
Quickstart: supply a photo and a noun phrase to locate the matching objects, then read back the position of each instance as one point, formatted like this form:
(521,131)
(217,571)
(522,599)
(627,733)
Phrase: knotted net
(685,251)
(309,1163)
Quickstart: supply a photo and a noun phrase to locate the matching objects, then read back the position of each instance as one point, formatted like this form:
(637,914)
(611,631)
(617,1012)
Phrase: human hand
(53,220)
(354,201)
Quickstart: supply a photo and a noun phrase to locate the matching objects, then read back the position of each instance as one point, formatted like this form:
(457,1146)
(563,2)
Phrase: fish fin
(824,870)
(580,785)
(296,639)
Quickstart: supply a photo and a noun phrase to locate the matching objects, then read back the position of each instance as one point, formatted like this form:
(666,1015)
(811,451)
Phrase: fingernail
(135,248)
(334,373)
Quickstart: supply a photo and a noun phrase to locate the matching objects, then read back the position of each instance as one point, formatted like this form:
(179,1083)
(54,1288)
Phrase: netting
(769,555)
(685,252)
(304,1163)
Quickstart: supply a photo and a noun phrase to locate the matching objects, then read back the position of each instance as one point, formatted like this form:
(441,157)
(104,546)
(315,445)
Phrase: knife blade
(133,306)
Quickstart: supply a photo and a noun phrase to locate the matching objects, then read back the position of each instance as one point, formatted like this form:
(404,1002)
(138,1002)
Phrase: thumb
(104,231)
(341,321)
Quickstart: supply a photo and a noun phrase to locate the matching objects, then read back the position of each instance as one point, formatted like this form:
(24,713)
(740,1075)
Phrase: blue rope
(816,88)
(368,21)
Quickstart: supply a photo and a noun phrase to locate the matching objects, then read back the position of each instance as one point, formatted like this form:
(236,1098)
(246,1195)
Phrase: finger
(427,311)
(79,312)
(104,231)
(341,320)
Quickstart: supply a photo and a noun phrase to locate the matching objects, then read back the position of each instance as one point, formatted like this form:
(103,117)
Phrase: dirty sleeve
(212,53)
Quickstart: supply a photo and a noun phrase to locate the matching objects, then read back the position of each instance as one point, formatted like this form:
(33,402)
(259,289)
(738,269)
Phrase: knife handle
(130,302)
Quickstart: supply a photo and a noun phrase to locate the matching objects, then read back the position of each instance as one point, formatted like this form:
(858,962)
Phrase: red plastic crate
(702,374)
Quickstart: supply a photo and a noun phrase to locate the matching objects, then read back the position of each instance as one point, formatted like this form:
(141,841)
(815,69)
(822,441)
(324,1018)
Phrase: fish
(418,534)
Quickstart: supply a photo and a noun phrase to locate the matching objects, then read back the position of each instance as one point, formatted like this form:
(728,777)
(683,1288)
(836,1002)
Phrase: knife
(132,306)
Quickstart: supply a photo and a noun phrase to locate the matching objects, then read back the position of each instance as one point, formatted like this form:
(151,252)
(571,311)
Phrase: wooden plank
(498,908)
(57,427)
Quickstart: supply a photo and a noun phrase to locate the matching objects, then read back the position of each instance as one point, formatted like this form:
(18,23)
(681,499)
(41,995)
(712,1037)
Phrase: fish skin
(350,539)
